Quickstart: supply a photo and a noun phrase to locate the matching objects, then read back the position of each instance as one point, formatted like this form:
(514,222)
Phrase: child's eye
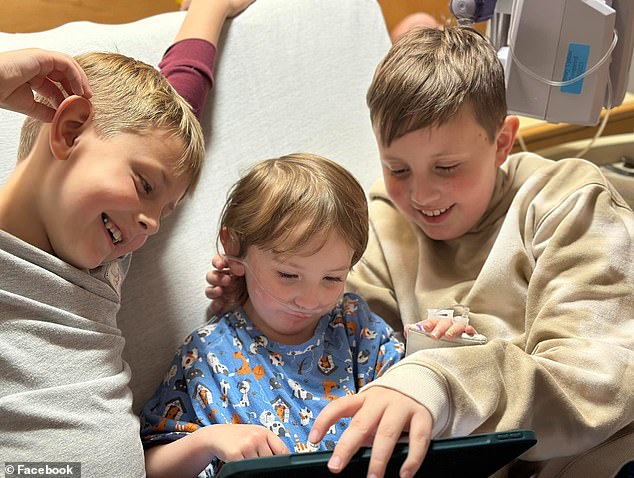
(446,169)
(333,279)
(285,275)
(399,172)
(145,185)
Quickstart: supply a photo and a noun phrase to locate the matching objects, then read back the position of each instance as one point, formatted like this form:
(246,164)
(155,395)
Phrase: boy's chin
(85,263)
(440,233)
(81,263)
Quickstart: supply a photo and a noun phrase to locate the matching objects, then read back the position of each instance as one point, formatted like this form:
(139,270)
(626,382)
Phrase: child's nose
(424,191)
(149,222)
(307,299)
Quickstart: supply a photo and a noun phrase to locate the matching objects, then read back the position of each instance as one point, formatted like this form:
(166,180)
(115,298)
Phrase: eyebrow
(448,155)
(386,157)
(291,264)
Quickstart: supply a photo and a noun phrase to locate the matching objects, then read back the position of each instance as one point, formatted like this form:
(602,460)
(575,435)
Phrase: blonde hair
(130,96)
(283,203)
(429,74)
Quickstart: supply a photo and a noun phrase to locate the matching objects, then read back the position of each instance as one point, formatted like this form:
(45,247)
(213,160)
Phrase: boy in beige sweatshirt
(540,251)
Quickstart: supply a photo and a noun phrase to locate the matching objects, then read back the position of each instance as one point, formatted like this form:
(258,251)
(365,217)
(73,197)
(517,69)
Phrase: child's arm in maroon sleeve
(189,66)
(189,63)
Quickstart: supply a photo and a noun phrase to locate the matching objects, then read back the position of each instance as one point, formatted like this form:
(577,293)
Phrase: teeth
(434,212)
(112,229)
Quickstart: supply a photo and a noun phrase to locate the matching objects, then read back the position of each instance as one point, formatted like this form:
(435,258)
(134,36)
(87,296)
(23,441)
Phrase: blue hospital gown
(229,372)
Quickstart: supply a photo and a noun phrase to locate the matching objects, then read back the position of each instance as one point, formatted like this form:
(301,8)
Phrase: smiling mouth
(115,233)
(433,212)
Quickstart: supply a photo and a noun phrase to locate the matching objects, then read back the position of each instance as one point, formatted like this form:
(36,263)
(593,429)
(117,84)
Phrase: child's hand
(235,442)
(34,69)
(237,6)
(446,327)
(229,442)
(220,281)
(379,416)
(234,7)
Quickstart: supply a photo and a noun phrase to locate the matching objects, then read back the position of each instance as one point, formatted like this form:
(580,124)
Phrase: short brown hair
(428,75)
(283,203)
(130,96)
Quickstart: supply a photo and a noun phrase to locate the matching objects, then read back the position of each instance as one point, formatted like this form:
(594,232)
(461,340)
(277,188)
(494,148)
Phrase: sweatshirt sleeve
(189,67)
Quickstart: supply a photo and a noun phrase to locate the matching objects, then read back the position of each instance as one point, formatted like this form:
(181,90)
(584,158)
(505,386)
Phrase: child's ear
(231,246)
(506,138)
(70,120)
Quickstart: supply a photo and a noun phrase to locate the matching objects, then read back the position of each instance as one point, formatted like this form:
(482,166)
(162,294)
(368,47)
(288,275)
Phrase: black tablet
(473,456)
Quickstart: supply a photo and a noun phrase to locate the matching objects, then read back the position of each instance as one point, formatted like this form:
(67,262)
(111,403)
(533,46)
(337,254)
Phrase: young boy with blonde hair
(540,251)
(89,188)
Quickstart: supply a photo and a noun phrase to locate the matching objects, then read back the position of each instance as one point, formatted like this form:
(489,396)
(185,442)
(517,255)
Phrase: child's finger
(342,407)
(276,445)
(68,72)
(218,278)
(219,262)
(387,434)
(418,443)
(362,431)
(41,112)
(48,90)
(457,328)
(211,292)
(441,328)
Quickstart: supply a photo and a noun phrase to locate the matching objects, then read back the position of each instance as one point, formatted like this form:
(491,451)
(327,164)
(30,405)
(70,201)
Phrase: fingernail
(312,436)
(450,332)
(334,463)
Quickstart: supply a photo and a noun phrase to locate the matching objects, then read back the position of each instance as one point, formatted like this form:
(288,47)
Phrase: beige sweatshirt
(548,273)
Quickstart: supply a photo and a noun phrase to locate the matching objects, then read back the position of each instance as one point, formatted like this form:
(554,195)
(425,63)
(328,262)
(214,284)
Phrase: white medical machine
(564,60)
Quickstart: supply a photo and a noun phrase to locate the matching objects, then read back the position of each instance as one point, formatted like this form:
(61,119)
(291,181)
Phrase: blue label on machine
(576,64)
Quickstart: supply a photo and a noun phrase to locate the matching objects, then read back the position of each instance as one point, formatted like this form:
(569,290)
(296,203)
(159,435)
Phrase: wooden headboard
(19,16)
(37,15)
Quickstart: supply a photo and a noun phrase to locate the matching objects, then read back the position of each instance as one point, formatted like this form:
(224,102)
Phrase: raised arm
(189,63)
(205,18)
